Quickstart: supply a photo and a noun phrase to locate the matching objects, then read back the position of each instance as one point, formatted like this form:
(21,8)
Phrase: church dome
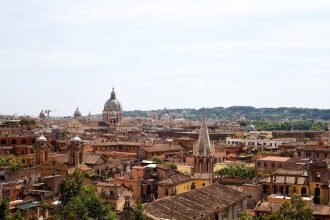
(76,138)
(112,104)
(42,114)
(250,127)
(77,113)
(41,138)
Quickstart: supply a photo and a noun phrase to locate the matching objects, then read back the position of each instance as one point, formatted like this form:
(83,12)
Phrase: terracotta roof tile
(195,204)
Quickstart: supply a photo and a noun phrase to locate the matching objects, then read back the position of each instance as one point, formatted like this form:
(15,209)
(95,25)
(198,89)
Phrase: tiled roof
(321,210)
(91,158)
(195,204)
(285,180)
(290,172)
(203,176)
(268,207)
(175,179)
(275,159)
(162,148)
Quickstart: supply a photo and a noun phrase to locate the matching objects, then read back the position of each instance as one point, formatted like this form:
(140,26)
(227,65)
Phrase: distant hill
(239,112)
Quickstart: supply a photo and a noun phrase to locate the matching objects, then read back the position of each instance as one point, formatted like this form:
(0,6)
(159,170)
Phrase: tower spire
(113,93)
(203,146)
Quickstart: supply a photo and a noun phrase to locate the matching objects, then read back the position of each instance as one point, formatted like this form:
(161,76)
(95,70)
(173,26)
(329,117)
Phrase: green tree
(79,201)
(138,211)
(4,208)
(244,216)
(15,164)
(157,160)
(71,186)
(292,211)
(12,163)
(27,121)
(170,165)
(17,215)
(238,172)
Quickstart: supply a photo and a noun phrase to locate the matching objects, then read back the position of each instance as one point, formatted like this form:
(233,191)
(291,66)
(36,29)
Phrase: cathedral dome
(250,127)
(76,138)
(41,138)
(42,115)
(77,113)
(112,104)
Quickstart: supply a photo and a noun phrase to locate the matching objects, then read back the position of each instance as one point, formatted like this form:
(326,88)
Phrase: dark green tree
(4,208)
(71,186)
(292,211)
(81,202)
(244,216)
(138,211)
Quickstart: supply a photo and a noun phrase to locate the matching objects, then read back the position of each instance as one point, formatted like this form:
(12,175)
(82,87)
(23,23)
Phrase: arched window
(13,141)
(303,191)
(3,142)
(317,195)
(33,141)
(23,141)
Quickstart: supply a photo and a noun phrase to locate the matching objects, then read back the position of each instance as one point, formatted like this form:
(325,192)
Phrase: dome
(41,138)
(42,114)
(112,104)
(76,138)
(77,113)
(250,127)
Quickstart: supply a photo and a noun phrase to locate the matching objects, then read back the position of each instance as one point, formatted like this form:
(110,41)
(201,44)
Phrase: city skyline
(62,55)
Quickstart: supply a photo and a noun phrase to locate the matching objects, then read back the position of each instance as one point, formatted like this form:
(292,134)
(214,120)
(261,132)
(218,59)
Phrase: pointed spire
(113,93)
(203,146)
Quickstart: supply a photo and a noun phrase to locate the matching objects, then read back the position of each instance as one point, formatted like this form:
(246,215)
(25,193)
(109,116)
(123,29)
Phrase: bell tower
(76,151)
(318,175)
(41,150)
(203,151)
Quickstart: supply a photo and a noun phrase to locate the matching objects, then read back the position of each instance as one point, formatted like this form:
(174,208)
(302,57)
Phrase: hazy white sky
(61,54)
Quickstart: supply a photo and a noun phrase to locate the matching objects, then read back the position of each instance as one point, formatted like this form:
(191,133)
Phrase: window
(265,164)
(279,165)
(318,176)
(238,210)
(224,214)
(203,184)
(258,164)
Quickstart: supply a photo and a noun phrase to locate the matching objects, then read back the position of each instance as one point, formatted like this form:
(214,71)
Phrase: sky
(63,54)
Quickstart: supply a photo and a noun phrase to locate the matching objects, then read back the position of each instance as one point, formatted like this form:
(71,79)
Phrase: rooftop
(195,204)
(275,159)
